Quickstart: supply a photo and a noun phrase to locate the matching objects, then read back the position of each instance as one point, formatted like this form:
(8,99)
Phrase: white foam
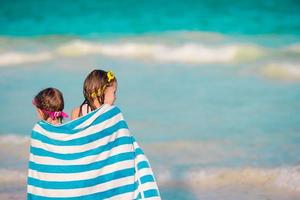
(78,48)
(16,58)
(168,47)
(287,178)
(283,71)
(189,49)
(9,177)
(14,149)
(194,53)
(14,139)
(294,48)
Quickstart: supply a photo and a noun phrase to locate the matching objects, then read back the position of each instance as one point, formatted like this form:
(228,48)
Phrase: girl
(49,105)
(99,88)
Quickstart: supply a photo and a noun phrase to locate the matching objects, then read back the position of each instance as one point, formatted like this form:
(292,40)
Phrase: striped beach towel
(93,157)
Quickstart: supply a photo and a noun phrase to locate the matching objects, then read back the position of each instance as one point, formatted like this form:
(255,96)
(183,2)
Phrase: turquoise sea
(210,89)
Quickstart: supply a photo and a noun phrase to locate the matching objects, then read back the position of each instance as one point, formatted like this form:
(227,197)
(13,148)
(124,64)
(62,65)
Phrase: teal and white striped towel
(91,158)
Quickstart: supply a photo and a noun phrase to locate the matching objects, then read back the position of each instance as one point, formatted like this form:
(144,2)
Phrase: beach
(210,93)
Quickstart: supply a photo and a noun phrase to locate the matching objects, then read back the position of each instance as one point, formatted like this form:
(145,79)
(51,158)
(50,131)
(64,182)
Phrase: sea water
(210,89)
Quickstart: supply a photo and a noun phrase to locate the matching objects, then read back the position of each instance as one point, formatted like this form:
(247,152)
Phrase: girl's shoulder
(80,111)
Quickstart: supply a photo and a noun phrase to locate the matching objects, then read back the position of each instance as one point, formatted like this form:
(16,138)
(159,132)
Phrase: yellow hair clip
(110,76)
(99,92)
(94,95)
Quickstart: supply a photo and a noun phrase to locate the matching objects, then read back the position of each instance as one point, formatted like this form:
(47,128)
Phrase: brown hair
(94,86)
(49,99)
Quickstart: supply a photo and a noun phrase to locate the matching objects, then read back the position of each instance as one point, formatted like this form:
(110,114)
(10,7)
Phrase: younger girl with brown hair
(50,104)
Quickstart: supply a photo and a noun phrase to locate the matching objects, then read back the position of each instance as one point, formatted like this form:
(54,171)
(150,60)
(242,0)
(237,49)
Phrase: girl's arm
(75,113)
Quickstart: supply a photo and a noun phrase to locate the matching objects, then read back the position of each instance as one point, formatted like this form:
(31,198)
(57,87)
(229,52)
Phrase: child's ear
(40,113)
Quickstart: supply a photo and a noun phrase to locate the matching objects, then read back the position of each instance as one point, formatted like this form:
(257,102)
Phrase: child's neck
(97,103)
(53,121)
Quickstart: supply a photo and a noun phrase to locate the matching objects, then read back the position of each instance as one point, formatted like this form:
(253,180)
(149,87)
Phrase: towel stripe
(87,131)
(80,175)
(81,168)
(100,195)
(68,130)
(83,140)
(151,193)
(73,156)
(80,148)
(82,183)
(84,160)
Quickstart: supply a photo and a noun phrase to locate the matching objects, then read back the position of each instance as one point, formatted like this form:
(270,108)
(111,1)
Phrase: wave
(285,178)
(294,48)
(175,47)
(12,177)
(281,71)
(203,169)
(18,148)
(17,58)
(190,53)
(186,52)
(13,139)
